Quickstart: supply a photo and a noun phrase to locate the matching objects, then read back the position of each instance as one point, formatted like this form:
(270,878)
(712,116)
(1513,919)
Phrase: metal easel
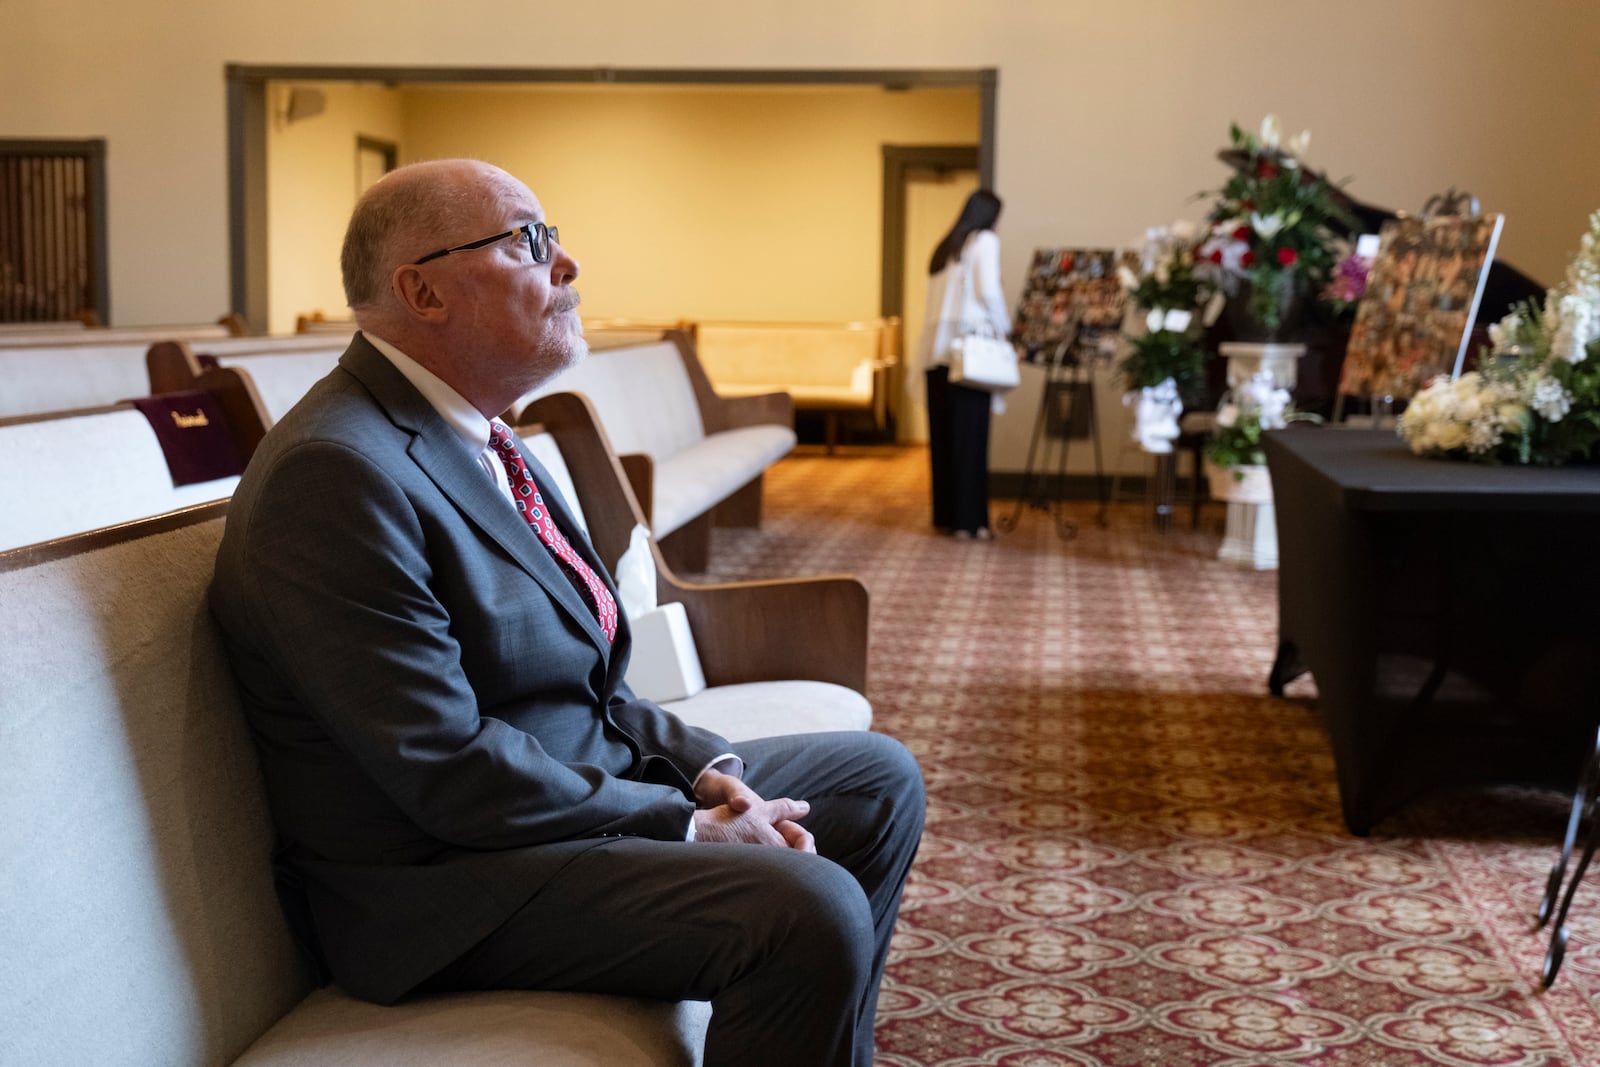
(1066,376)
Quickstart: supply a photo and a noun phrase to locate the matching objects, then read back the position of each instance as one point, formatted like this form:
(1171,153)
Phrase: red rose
(1287,256)
(1215,256)
(1242,233)
(1267,171)
(1247,205)
(1248,259)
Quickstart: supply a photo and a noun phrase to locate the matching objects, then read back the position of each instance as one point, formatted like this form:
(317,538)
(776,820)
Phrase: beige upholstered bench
(839,369)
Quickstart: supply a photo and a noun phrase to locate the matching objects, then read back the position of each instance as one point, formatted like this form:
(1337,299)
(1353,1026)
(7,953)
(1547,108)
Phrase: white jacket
(953,303)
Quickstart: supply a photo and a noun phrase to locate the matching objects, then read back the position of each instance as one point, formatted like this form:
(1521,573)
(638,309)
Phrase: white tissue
(664,664)
(636,575)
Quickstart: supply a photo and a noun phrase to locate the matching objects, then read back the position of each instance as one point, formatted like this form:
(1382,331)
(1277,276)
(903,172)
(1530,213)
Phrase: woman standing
(963,296)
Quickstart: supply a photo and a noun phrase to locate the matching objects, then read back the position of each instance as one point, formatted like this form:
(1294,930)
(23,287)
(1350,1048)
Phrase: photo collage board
(1416,318)
(1072,307)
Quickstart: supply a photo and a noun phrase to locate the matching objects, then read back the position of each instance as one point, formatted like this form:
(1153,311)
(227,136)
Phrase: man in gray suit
(465,788)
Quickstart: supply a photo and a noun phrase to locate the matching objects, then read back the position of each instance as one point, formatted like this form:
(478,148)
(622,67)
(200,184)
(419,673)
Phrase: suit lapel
(439,453)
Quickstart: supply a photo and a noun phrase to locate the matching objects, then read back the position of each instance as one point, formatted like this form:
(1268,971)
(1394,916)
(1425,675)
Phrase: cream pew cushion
(486,1029)
(761,709)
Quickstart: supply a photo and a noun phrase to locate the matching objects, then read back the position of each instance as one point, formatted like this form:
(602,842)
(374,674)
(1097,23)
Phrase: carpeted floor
(1133,853)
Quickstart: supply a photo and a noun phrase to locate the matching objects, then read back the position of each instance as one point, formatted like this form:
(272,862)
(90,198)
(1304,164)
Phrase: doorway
(248,132)
(925,187)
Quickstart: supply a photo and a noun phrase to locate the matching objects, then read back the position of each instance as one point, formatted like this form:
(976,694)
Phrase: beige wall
(1109,114)
(311,186)
(748,203)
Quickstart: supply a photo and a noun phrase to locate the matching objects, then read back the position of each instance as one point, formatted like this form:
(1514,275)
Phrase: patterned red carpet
(1133,853)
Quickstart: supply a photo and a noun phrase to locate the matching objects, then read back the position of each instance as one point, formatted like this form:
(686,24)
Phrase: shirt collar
(467,421)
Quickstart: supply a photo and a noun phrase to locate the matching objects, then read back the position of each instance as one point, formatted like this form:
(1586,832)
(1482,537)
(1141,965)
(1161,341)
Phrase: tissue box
(664,664)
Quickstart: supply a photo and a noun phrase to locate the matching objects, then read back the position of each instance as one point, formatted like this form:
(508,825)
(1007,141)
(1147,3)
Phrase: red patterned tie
(531,504)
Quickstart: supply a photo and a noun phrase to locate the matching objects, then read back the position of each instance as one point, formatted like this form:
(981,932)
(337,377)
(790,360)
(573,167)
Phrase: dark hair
(981,212)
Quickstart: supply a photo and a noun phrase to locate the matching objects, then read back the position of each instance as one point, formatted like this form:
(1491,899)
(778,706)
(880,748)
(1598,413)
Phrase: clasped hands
(731,812)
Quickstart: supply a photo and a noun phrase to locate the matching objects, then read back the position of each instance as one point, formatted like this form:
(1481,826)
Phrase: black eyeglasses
(539,236)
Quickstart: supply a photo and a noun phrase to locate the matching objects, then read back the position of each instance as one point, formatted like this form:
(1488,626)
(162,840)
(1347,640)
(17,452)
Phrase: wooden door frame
(898,162)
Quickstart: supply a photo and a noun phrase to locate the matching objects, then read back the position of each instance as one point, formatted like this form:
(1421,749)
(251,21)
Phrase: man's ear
(416,297)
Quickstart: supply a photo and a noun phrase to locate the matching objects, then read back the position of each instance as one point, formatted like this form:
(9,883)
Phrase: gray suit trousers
(788,947)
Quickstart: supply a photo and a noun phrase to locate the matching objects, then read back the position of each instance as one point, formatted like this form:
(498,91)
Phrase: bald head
(492,321)
(408,213)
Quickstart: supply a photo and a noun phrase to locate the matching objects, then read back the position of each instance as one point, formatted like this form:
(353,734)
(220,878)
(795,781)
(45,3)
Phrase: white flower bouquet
(1535,397)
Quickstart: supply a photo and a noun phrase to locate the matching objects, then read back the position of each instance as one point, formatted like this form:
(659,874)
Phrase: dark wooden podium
(1449,612)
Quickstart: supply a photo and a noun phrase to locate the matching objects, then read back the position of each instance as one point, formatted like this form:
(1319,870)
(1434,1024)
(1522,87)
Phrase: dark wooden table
(1449,612)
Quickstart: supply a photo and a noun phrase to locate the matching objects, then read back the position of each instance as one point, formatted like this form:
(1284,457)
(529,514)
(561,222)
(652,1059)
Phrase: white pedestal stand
(1251,535)
(1245,358)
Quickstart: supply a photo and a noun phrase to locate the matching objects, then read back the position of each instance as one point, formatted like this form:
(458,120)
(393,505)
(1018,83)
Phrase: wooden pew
(87,368)
(281,373)
(839,369)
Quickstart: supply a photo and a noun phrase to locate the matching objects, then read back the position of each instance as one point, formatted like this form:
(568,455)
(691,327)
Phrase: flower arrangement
(1535,398)
(1168,278)
(1248,411)
(1270,244)
(1170,289)
(1349,282)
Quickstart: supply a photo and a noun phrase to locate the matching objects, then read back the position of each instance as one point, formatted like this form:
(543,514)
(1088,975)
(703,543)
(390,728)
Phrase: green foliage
(1238,445)
(1155,357)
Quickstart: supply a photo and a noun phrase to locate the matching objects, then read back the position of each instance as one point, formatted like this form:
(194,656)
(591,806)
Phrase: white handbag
(983,361)
(978,359)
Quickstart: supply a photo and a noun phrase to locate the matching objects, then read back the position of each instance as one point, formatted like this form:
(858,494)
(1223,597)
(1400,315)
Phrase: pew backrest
(56,375)
(75,471)
(282,373)
(647,402)
(109,335)
(140,924)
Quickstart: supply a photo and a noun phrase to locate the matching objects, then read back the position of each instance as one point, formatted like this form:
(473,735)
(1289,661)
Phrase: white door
(933,201)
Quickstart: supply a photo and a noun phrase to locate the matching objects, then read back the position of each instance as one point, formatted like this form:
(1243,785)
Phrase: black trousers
(788,947)
(958,450)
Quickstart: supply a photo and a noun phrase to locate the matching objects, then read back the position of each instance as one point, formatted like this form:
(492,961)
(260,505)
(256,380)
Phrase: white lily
(1126,276)
(1271,132)
(1267,227)
(1296,146)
